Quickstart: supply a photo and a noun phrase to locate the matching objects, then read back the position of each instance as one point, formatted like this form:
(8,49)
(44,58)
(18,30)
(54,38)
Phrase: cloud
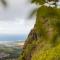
(13,19)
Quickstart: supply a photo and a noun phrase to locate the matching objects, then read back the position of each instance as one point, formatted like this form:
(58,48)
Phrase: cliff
(43,42)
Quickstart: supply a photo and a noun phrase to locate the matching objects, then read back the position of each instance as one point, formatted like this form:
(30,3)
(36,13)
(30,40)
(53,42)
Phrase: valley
(10,50)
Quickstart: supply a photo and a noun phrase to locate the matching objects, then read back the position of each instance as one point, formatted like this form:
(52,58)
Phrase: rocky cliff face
(29,46)
(43,42)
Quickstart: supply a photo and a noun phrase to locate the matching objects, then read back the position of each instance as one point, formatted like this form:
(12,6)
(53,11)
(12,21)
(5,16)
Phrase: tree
(4,2)
(43,1)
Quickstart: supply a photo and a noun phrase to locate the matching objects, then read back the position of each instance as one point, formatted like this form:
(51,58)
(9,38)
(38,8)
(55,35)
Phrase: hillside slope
(43,42)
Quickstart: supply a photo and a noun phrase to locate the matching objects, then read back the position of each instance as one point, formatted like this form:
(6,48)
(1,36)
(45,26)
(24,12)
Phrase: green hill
(43,42)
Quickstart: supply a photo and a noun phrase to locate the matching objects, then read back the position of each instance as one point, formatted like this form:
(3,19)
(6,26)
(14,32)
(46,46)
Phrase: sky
(14,22)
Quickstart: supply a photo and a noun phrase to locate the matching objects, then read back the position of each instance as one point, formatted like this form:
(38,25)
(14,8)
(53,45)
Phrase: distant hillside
(12,43)
(10,50)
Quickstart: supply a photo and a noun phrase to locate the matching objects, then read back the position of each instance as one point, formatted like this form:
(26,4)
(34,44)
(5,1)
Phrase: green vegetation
(9,53)
(43,42)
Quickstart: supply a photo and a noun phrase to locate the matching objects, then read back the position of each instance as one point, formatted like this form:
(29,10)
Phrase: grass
(47,54)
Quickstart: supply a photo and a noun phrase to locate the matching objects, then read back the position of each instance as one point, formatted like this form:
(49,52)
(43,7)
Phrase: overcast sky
(13,19)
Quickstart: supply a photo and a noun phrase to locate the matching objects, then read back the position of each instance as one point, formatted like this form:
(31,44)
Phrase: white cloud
(20,26)
(13,18)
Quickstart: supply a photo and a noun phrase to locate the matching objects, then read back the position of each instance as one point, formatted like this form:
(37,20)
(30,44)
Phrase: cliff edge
(43,42)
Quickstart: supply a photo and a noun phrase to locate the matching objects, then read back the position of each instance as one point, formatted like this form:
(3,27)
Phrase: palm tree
(4,2)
